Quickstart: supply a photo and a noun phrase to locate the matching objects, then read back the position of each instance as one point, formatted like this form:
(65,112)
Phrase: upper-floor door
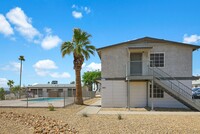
(136,63)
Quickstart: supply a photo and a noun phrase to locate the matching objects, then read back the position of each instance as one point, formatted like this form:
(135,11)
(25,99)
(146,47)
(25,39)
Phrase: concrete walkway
(92,109)
(95,108)
(148,113)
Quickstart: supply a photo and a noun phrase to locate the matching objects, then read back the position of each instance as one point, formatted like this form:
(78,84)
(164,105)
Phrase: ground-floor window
(157,92)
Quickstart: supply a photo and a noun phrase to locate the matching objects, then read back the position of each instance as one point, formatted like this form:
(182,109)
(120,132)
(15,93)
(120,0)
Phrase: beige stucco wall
(113,93)
(178,59)
(114,61)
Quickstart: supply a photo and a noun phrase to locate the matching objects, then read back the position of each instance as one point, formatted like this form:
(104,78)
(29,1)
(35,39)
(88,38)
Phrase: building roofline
(52,86)
(148,39)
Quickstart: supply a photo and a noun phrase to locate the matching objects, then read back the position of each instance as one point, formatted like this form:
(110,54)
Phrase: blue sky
(36,30)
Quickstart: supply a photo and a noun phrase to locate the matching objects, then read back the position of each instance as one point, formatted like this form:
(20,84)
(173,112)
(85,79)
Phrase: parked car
(196,93)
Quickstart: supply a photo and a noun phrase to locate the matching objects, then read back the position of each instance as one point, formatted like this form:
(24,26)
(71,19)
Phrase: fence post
(74,95)
(64,97)
(27,99)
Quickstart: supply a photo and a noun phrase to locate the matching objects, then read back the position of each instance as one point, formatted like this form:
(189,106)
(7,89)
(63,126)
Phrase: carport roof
(52,85)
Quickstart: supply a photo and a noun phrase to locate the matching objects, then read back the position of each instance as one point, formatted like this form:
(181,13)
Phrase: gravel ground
(103,124)
(10,127)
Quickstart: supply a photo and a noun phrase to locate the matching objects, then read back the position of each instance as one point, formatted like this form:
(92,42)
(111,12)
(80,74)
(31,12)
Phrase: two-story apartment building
(147,72)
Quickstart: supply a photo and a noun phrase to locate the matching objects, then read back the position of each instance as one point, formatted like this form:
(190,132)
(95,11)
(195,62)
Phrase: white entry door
(138,94)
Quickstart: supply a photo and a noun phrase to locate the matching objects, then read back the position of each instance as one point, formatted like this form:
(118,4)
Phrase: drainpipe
(128,94)
(128,87)
(147,89)
(152,88)
(152,97)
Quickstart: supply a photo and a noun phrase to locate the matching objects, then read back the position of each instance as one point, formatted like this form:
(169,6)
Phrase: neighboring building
(57,90)
(52,90)
(196,83)
(130,70)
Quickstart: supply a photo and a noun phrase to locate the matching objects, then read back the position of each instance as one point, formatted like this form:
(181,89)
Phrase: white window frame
(156,96)
(157,53)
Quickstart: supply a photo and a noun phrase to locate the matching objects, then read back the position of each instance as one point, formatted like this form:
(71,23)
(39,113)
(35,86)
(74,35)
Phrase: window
(157,92)
(60,90)
(157,60)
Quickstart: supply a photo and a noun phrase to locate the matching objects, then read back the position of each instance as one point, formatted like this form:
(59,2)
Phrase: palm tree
(21,58)
(10,83)
(81,49)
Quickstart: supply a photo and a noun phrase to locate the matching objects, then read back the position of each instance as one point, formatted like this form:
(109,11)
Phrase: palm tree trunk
(20,74)
(20,81)
(79,99)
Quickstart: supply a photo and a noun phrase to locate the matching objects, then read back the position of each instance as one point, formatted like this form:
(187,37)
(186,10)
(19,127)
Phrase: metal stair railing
(175,85)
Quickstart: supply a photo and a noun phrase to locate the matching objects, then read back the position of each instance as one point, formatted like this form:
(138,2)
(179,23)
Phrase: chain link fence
(39,98)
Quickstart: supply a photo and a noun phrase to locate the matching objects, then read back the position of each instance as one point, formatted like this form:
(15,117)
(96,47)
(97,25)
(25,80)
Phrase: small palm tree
(10,83)
(21,58)
(81,50)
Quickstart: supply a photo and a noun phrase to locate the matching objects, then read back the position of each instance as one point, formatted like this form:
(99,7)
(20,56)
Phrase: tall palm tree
(21,58)
(81,49)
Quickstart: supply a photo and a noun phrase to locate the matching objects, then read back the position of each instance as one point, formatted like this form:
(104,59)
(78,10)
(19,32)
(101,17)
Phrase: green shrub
(2,94)
(84,114)
(51,107)
(119,116)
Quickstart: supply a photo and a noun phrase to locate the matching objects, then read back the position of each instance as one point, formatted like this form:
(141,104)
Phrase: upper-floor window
(157,60)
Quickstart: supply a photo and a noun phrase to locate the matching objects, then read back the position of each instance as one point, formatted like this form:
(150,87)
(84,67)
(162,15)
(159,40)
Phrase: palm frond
(86,54)
(90,47)
(67,48)
(79,45)
(21,58)
(91,52)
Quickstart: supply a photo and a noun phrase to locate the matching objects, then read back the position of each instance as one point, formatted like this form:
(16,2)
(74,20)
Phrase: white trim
(156,53)
(152,95)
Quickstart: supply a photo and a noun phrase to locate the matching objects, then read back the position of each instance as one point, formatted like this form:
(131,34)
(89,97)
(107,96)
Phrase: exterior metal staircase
(174,88)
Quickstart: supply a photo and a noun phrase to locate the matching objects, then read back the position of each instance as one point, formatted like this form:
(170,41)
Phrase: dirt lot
(103,124)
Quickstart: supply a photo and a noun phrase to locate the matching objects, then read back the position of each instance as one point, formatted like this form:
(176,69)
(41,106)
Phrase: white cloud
(77,14)
(22,23)
(37,41)
(196,72)
(79,11)
(3,82)
(75,6)
(34,84)
(41,72)
(84,64)
(60,75)
(45,64)
(50,42)
(87,10)
(5,27)
(12,66)
(93,66)
(44,68)
(48,30)
(191,39)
